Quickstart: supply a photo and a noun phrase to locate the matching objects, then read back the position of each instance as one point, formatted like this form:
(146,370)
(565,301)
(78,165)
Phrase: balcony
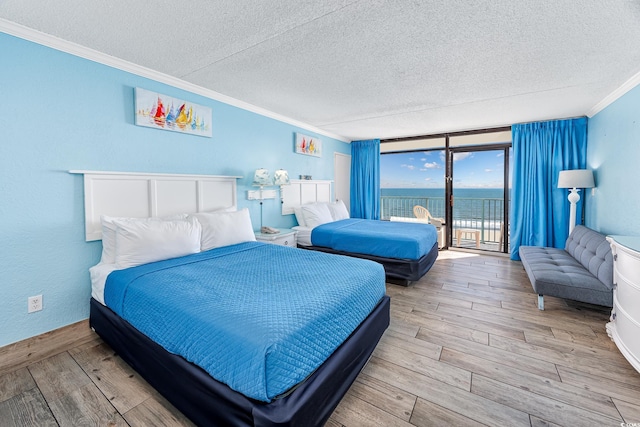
(477,222)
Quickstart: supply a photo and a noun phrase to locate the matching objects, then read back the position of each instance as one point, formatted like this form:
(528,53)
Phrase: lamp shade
(281,177)
(577,178)
(261,178)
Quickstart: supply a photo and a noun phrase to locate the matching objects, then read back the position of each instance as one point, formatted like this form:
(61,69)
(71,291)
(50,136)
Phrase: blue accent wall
(62,112)
(614,154)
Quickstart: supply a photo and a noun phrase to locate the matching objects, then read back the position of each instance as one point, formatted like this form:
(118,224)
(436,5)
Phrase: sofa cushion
(593,251)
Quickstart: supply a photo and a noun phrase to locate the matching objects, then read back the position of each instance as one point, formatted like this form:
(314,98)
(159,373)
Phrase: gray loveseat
(582,271)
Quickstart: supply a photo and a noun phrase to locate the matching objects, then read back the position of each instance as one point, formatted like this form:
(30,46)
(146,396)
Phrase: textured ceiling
(369,69)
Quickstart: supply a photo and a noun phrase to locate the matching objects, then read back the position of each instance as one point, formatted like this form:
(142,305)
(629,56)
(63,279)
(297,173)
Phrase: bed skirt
(208,402)
(398,271)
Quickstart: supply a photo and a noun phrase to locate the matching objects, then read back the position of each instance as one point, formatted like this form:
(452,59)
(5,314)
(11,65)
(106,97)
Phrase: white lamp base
(574,198)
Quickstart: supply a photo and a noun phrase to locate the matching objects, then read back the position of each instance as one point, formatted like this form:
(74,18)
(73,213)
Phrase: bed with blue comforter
(261,329)
(406,250)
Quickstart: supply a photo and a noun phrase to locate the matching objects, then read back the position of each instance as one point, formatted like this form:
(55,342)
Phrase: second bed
(406,250)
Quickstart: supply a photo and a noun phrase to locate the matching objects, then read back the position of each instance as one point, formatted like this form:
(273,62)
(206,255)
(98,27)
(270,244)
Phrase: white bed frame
(301,191)
(142,195)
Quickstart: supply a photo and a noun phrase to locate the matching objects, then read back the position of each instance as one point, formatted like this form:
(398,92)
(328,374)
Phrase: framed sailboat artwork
(158,111)
(309,145)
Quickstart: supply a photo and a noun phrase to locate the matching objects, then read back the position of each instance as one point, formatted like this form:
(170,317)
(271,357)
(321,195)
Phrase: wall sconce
(575,179)
(281,178)
(261,178)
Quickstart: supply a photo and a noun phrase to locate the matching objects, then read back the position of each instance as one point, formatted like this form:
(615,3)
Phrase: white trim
(154,174)
(75,49)
(609,99)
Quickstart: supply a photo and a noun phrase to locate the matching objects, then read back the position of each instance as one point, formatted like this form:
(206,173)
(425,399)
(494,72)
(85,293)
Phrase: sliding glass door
(461,178)
(479,197)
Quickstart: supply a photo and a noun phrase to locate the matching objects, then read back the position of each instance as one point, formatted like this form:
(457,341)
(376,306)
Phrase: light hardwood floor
(466,346)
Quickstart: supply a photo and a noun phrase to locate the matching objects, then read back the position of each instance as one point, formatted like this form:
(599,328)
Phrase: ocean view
(480,208)
(478,193)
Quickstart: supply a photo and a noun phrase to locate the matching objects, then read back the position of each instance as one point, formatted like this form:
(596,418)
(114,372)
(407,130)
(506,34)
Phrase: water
(474,193)
(474,207)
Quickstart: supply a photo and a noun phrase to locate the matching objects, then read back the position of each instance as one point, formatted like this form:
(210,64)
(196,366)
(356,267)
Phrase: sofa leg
(540,302)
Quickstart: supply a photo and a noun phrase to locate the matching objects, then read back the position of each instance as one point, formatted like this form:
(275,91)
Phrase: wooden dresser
(624,327)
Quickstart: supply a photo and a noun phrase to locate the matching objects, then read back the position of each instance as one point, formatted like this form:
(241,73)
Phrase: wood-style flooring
(466,346)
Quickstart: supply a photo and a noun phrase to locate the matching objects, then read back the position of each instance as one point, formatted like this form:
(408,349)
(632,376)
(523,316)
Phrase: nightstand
(286,237)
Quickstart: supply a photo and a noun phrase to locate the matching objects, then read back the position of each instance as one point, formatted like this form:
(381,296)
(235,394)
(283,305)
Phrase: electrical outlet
(35,303)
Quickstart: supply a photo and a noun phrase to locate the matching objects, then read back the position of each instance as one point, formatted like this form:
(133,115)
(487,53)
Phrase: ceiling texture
(369,69)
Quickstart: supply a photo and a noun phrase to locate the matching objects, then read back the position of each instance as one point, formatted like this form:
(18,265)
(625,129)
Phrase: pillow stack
(314,214)
(127,242)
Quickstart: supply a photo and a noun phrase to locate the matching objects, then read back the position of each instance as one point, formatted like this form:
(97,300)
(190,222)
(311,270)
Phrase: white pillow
(146,240)
(338,210)
(109,234)
(299,216)
(225,228)
(316,214)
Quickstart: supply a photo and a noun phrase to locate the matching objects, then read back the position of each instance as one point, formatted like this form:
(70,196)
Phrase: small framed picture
(309,145)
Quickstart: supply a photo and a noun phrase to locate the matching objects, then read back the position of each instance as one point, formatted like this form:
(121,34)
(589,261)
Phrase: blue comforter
(403,240)
(257,317)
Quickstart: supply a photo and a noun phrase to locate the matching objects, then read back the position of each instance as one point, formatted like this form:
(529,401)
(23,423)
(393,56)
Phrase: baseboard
(23,353)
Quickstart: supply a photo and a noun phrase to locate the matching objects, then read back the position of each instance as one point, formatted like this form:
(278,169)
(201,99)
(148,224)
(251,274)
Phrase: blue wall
(614,155)
(61,112)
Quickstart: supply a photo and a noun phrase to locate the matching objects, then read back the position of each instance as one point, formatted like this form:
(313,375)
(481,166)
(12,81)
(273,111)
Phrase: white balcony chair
(423,213)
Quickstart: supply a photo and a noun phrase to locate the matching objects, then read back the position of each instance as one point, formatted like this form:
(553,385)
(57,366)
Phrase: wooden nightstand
(286,237)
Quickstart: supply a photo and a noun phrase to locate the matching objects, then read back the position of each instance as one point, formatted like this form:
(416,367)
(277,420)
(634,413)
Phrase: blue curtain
(365,179)
(539,209)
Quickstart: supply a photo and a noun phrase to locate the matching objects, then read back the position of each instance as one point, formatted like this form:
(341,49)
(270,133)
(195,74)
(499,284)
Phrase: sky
(425,169)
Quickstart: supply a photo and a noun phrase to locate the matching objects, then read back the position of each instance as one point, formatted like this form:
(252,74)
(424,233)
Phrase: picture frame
(308,145)
(158,111)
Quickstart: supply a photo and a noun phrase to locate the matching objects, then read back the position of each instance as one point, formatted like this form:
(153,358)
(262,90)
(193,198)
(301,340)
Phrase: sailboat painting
(308,145)
(159,111)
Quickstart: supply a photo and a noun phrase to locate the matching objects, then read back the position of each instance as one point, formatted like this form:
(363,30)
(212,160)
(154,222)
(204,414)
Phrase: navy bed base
(398,271)
(208,402)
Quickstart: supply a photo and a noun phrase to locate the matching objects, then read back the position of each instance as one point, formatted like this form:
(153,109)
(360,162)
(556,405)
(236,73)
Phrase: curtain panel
(539,209)
(365,179)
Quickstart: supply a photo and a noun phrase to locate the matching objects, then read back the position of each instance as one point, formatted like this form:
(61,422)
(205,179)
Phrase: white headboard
(301,191)
(141,195)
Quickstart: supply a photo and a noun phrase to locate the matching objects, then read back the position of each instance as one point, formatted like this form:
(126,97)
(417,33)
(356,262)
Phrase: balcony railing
(485,215)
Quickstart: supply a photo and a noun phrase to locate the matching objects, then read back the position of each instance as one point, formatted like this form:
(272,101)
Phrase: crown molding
(609,99)
(75,49)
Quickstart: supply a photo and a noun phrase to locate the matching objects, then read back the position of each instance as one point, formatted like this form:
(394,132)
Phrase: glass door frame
(450,151)
(417,143)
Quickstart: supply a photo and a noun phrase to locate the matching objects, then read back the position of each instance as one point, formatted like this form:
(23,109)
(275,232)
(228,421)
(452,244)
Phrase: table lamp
(280,178)
(261,178)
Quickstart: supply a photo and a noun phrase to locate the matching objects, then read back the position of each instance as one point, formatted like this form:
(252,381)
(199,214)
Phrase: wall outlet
(34,303)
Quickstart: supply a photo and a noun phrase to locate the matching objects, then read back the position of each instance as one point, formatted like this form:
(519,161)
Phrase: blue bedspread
(257,317)
(403,240)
